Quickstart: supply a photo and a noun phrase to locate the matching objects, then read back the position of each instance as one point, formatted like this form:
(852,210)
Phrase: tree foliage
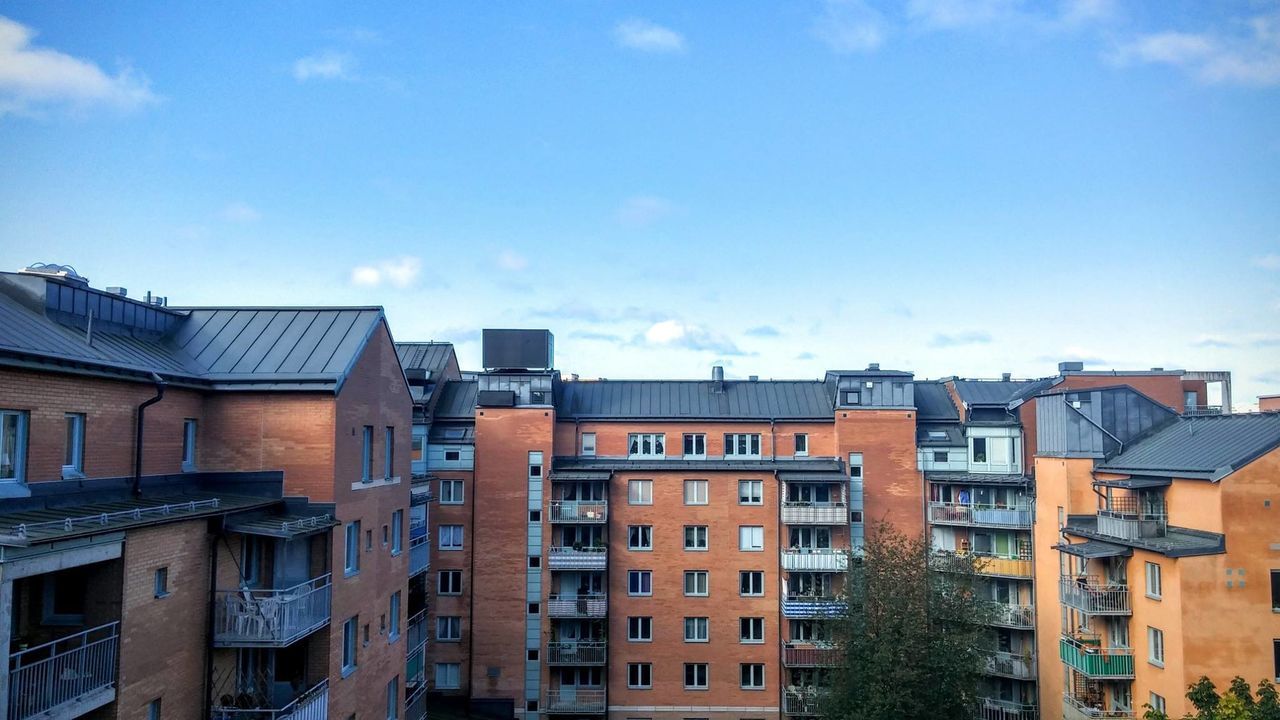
(1237,703)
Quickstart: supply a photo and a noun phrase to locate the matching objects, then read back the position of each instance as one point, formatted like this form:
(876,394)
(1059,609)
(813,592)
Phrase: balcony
(575,558)
(815,559)
(1074,708)
(1012,665)
(1018,516)
(992,709)
(809,606)
(419,555)
(1095,662)
(1091,596)
(593,605)
(571,700)
(313,704)
(577,652)
(802,700)
(1013,616)
(270,618)
(796,653)
(1201,410)
(415,677)
(65,678)
(1004,567)
(1132,518)
(579,512)
(814,513)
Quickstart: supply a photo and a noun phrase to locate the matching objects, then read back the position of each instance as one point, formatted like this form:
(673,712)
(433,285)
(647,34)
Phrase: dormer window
(852,397)
(937,435)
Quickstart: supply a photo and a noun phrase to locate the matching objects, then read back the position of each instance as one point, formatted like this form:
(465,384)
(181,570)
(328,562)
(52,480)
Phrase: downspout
(208,646)
(137,437)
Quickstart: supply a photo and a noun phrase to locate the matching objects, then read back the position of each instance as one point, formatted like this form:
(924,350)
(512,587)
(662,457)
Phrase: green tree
(1203,695)
(1150,713)
(1268,707)
(1241,691)
(913,633)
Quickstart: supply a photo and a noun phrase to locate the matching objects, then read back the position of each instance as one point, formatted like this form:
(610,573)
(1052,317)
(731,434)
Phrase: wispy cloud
(678,334)
(763,331)
(850,26)
(34,77)
(398,272)
(512,261)
(1212,341)
(644,210)
(240,212)
(646,36)
(1248,55)
(595,336)
(326,65)
(949,14)
(806,356)
(1268,262)
(582,312)
(969,337)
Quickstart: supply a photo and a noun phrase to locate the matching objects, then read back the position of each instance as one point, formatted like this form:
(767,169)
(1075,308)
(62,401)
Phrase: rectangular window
(979,450)
(162,582)
(751,538)
(750,492)
(366,456)
(646,445)
(639,676)
(802,444)
(535,464)
(640,492)
(640,537)
(640,582)
(855,466)
(393,698)
(695,492)
(394,611)
(397,531)
(751,629)
(449,582)
(696,629)
(448,676)
(452,455)
(451,492)
(752,676)
(418,445)
(189,428)
(695,583)
(73,458)
(1153,581)
(1155,646)
(695,537)
(450,537)
(389,453)
(1157,702)
(1275,650)
(1275,590)
(353,548)
(640,629)
(695,446)
(742,445)
(589,444)
(349,645)
(153,709)
(940,456)
(751,583)
(13,445)
(449,628)
(695,676)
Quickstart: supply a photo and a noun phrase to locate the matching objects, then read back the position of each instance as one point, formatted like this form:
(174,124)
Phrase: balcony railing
(1018,516)
(795,605)
(1013,665)
(570,558)
(1074,708)
(993,709)
(1130,518)
(1004,567)
(415,660)
(1090,595)
(814,513)
(270,617)
(1096,662)
(796,653)
(577,652)
(1197,410)
(579,511)
(575,700)
(815,559)
(1013,616)
(75,671)
(419,555)
(802,700)
(593,605)
(312,704)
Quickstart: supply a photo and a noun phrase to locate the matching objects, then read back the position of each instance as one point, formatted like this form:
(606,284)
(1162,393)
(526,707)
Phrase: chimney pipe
(873,366)
(1006,376)
(717,373)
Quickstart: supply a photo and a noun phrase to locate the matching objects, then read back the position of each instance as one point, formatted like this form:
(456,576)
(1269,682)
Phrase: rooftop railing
(1092,596)
(1197,410)
(77,670)
(270,617)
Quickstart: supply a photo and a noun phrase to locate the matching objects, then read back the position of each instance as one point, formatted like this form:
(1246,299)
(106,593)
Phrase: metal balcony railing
(1013,616)
(270,617)
(575,700)
(313,704)
(1198,410)
(1013,665)
(993,709)
(1074,708)
(78,670)
(1131,518)
(798,653)
(1016,516)
(1092,596)
(591,605)
(815,559)
(800,605)
(1093,661)
(571,558)
(815,513)
(577,652)
(803,700)
(419,555)
(579,511)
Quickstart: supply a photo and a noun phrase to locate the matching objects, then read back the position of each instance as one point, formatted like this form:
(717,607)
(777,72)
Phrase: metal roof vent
(1006,377)
(753,378)
(117,290)
(873,366)
(717,378)
(53,270)
(1072,366)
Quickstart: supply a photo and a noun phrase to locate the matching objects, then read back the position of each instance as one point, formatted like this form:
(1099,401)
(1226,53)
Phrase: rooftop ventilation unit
(1006,377)
(65,273)
(873,366)
(1073,366)
(517,349)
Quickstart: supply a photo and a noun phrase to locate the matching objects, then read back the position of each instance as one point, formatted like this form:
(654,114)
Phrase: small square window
(535,561)
(696,583)
(939,456)
(535,516)
(697,629)
(531,705)
(535,608)
(639,629)
(162,582)
(750,492)
(751,583)
(695,492)
(532,655)
(802,444)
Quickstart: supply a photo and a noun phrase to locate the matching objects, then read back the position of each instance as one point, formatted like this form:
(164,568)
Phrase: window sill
(1154,597)
(346,671)
(392,638)
(397,553)
(189,468)
(72,474)
(452,502)
(1155,663)
(689,549)
(350,573)
(163,595)
(14,489)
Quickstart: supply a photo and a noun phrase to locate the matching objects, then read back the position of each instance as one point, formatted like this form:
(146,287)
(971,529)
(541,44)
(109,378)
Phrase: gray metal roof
(965,478)
(933,402)
(26,527)
(1207,447)
(286,525)
(458,400)
(701,399)
(430,356)
(1177,541)
(1094,549)
(1136,482)
(991,392)
(827,476)
(954,437)
(1034,388)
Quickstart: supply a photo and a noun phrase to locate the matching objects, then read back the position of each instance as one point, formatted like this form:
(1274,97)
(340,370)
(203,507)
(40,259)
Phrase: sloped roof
(701,399)
(933,402)
(1207,447)
(458,400)
(430,356)
(991,392)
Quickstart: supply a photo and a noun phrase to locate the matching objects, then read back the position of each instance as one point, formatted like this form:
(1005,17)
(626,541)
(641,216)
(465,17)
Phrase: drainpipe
(209,629)
(137,441)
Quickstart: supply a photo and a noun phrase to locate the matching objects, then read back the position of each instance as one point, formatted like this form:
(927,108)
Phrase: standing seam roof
(1201,444)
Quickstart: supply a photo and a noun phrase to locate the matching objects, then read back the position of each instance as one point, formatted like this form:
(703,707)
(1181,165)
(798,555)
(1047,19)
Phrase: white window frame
(699,442)
(1155,646)
(758,495)
(751,538)
(700,536)
(753,446)
(449,628)
(641,577)
(656,442)
(697,492)
(1155,585)
(751,584)
(699,683)
(855,466)
(640,676)
(639,492)
(802,444)
(701,583)
(697,629)
(449,574)
(1157,702)
(76,423)
(640,538)
(640,628)
(450,531)
(588,445)
(751,624)
(17,421)
(190,432)
(452,491)
(755,671)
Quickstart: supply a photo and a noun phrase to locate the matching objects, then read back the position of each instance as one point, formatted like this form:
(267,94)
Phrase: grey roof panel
(273,360)
(991,392)
(966,478)
(430,356)
(1209,446)
(458,399)
(1094,549)
(256,352)
(327,347)
(933,402)
(667,399)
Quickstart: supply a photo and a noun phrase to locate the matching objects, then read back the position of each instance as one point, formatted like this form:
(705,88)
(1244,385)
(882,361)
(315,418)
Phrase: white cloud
(640,34)
(399,272)
(643,210)
(327,65)
(240,212)
(1250,56)
(959,13)
(1268,262)
(849,26)
(674,333)
(1075,12)
(33,76)
(512,260)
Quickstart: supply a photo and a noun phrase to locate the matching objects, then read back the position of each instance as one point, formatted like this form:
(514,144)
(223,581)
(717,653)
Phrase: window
(1275,650)
(640,675)
(979,450)
(1275,590)
(695,582)
(450,537)
(852,397)
(535,516)
(695,676)
(751,583)
(751,538)
(751,629)
(368,539)
(13,445)
(449,582)
(73,458)
(349,646)
(802,444)
(189,444)
(589,444)
(695,492)
(743,445)
(695,537)
(393,698)
(695,445)
(855,466)
(640,629)
(639,582)
(447,676)
(389,453)
(452,455)
(397,531)
(640,492)
(535,464)
(1155,646)
(418,446)
(451,492)
(750,492)
(162,582)
(386,535)
(353,548)
(153,709)
(650,445)
(1157,702)
(1153,581)
(752,676)
(639,537)
(940,456)
(449,628)
(696,629)
(366,458)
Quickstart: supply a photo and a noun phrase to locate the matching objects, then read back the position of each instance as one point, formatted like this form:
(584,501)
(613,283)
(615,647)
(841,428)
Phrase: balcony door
(293,562)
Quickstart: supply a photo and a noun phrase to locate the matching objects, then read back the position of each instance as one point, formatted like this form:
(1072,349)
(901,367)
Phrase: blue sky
(941,186)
